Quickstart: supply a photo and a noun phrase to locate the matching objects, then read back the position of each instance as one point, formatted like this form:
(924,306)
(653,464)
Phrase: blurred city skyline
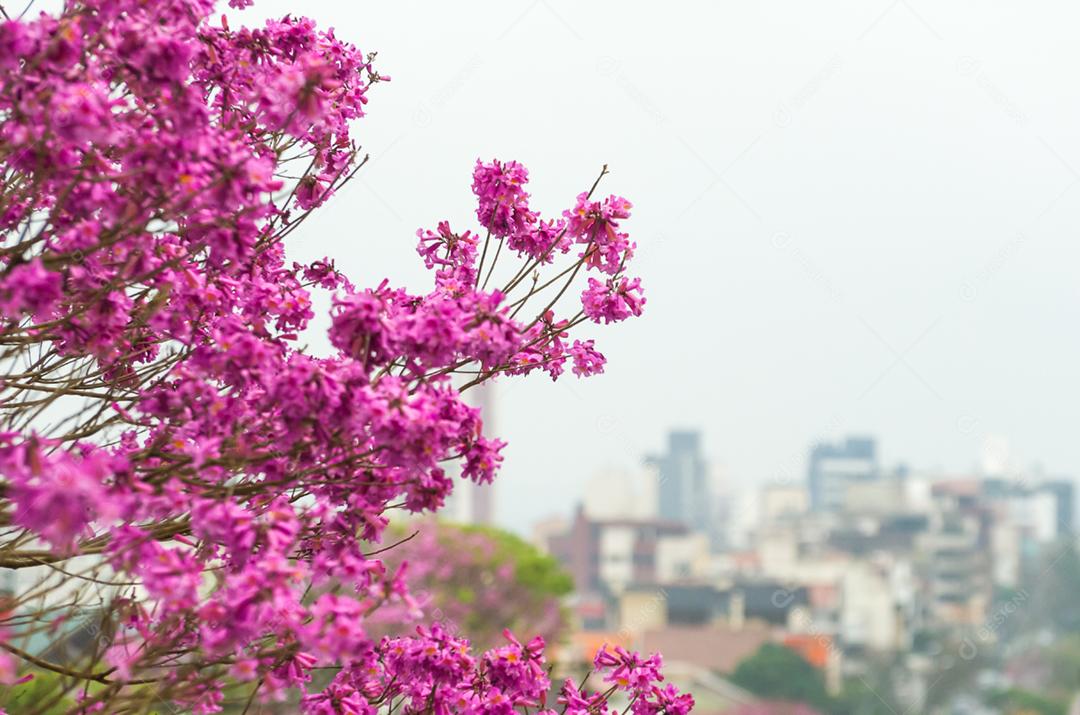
(851,218)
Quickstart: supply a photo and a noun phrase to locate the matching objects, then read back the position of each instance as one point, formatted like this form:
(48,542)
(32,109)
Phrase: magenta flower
(503,203)
(587,361)
(59,495)
(482,459)
(613,300)
(596,224)
(29,289)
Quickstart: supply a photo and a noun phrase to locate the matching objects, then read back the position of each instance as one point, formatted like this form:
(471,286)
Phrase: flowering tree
(176,470)
(478,581)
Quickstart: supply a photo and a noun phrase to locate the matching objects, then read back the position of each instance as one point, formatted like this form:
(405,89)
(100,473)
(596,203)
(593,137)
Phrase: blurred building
(858,566)
(833,468)
(740,518)
(956,554)
(782,502)
(760,602)
(1043,509)
(615,492)
(1027,518)
(607,555)
(879,604)
(719,648)
(683,557)
(683,483)
(544,530)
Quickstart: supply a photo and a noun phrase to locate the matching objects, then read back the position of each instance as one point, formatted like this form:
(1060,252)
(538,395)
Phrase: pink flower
(161,56)
(310,192)
(29,288)
(361,328)
(672,702)
(244,669)
(335,632)
(453,256)
(170,575)
(482,459)
(613,300)
(596,225)
(15,42)
(587,361)
(541,240)
(57,495)
(503,203)
(518,669)
(81,112)
(577,702)
(8,669)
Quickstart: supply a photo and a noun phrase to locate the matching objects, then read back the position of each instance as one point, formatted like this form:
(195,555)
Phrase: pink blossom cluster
(159,409)
(477,582)
(435,672)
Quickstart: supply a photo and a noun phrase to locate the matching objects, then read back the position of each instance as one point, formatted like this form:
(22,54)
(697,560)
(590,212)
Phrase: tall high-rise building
(1065,494)
(833,467)
(483,495)
(684,494)
(472,503)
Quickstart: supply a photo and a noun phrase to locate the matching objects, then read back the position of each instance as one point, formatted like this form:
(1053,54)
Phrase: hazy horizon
(859,220)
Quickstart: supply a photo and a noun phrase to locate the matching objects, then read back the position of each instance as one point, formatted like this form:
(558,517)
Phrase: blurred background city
(853,586)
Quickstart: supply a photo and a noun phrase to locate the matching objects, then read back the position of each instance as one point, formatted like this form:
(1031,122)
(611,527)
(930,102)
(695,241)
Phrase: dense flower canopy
(223,488)
(477,581)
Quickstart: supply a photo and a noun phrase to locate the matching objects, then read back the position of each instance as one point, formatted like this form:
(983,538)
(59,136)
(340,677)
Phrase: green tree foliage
(44,694)
(1064,664)
(1015,701)
(478,581)
(778,672)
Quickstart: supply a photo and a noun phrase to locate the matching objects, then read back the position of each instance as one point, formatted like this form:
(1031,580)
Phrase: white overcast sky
(852,216)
